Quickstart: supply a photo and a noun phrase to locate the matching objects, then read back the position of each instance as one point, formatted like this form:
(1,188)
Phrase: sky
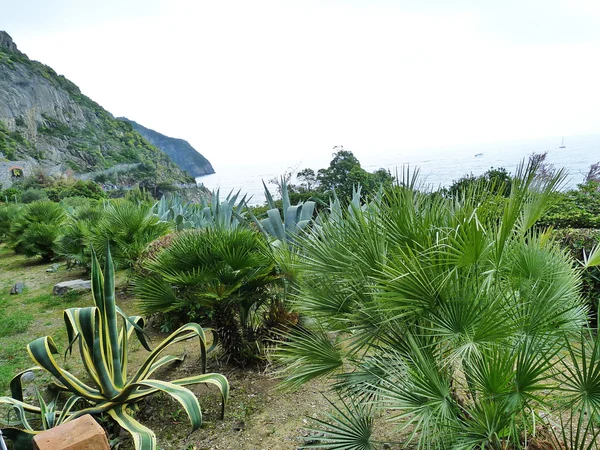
(265,79)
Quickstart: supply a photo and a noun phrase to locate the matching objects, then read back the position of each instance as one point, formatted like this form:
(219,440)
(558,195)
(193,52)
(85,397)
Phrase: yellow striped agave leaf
(103,348)
(183,395)
(211,378)
(185,332)
(16,387)
(41,351)
(208,378)
(143,437)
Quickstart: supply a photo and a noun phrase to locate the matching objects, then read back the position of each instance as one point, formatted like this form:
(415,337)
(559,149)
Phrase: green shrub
(578,208)
(8,216)
(580,242)
(215,276)
(456,323)
(33,195)
(69,188)
(128,228)
(11,194)
(37,229)
(72,204)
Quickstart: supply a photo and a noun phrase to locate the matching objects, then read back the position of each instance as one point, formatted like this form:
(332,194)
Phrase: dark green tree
(345,173)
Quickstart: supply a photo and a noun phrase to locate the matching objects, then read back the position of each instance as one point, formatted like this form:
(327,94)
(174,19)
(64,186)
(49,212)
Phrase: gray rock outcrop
(62,288)
(45,119)
(7,43)
(180,151)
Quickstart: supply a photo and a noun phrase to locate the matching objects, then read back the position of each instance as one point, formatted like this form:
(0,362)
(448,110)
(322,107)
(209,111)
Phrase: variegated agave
(103,347)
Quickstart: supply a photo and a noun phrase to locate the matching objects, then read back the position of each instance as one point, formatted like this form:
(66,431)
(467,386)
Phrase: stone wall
(6,175)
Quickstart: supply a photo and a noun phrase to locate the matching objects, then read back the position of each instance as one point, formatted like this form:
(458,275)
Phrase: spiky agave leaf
(103,349)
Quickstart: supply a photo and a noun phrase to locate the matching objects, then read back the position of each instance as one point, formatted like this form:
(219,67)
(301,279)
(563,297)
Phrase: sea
(438,166)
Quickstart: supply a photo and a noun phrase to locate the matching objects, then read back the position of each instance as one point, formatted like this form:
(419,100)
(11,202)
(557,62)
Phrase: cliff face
(180,151)
(45,119)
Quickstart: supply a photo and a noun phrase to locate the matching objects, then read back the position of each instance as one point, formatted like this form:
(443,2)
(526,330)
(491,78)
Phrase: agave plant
(210,212)
(295,217)
(228,213)
(23,428)
(103,348)
(451,318)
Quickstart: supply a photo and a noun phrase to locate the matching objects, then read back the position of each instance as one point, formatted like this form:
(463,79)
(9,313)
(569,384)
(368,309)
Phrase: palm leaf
(349,428)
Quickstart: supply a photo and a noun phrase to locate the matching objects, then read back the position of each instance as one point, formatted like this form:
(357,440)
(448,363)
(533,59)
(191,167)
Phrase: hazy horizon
(264,80)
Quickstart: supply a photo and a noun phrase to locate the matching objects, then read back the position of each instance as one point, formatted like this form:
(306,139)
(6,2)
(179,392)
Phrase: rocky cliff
(45,119)
(180,151)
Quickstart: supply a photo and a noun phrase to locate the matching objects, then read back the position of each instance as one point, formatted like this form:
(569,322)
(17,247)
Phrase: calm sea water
(439,166)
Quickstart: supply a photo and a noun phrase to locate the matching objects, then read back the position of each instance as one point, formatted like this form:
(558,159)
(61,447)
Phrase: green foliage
(343,176)
(350,428)
(14,323)
(65,188)
(36,230)
(494,181)
(9,142)
(214,275)
(33,195)
(128,228)
(8,216)
(580,243)
(139,196)
(452,317)
(345,173)
(284,226)
(104,350)
(11,194)
(578,208)
(71,204)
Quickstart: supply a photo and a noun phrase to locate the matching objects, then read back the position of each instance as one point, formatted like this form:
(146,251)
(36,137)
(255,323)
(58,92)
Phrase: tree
(345,173)
(307,178)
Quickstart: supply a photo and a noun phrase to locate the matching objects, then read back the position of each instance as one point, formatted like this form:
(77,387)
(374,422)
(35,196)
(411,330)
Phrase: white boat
(562,143)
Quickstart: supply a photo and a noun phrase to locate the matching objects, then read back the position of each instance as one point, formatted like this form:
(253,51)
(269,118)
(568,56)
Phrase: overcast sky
(242,79)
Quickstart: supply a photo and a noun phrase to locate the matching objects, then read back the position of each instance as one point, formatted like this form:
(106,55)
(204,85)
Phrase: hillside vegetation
(45,118)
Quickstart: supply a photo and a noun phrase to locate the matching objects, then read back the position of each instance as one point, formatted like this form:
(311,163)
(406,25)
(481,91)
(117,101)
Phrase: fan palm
(35,231)
(449,315)
(128,228)
(216,275)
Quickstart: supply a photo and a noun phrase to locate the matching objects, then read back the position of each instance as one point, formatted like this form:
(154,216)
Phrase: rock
(17,288)
(52,268)
(73,285)
(180,151)
(28,376)
(7,43)
(49,125)
(83,433)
